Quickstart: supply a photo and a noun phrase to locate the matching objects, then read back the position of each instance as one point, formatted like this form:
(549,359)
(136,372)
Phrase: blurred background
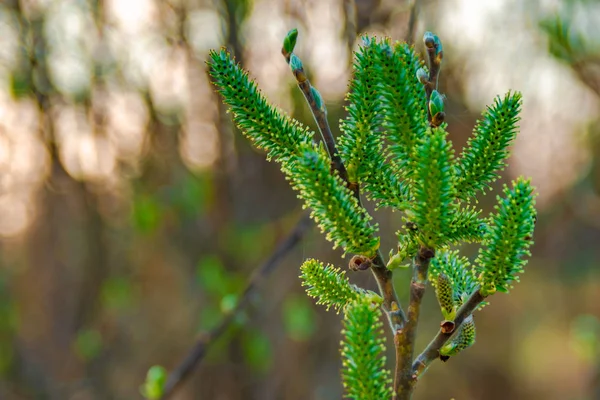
(132,212)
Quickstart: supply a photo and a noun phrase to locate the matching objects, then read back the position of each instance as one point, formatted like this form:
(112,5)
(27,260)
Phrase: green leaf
(212,277)
(257,348)
(486,151)
(88,344)
(434,188)
(298,318)
(333,206)
(153,387)
(508,238)
(408,245)
(146,213)
(327,284)
(364,374)
(267,127)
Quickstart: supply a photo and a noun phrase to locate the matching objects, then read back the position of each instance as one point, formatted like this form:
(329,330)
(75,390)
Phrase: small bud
(436,103)
(438,47)
(438,119)
(318,99)
(289,43)
(422,76)
(429,40)
(297,68)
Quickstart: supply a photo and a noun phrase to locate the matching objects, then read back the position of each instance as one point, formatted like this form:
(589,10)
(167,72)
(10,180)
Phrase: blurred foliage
(122,179)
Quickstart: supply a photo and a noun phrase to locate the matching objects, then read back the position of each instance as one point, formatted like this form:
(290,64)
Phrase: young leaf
(486,151)
(269,128)
(508,239)
(364,374)
(327,284)
(408,245)
(333,206)
(433,188)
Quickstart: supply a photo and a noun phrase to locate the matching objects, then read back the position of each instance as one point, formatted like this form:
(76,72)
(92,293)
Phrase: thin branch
(319,112)
(383,276)
(404,339)
(432,351)
(435,54)
(198,352)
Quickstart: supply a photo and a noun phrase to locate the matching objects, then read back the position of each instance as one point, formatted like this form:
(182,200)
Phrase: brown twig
(383,276)
(198,352)
(432,351)
(404,339)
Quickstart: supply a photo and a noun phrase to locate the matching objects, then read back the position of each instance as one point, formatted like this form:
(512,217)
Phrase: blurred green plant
(395,146)
(153,387)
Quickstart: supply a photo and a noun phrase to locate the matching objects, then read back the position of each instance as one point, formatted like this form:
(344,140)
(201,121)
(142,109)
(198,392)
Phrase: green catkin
(486,151)
(327,284)
(363,367)
(509,236)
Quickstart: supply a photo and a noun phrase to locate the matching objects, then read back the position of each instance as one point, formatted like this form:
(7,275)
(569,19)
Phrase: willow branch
(319,112)
(404,339)
(198,352)
(383,276)
(432,351)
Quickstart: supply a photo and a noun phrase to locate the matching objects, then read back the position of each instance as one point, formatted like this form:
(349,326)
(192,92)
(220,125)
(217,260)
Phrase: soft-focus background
(132,213)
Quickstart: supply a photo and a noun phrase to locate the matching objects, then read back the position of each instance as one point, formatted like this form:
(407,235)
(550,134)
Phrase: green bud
(438,46)
(436,103)
(318,99)
(296,63)
(422,76)
(429,39)
(153,387)
(289,43)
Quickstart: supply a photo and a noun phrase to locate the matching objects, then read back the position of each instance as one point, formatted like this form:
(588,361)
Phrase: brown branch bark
(404,340)
(198,352)
(432,351)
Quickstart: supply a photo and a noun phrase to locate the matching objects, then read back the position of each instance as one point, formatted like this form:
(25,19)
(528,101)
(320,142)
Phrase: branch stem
(432,351)
(404,339)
